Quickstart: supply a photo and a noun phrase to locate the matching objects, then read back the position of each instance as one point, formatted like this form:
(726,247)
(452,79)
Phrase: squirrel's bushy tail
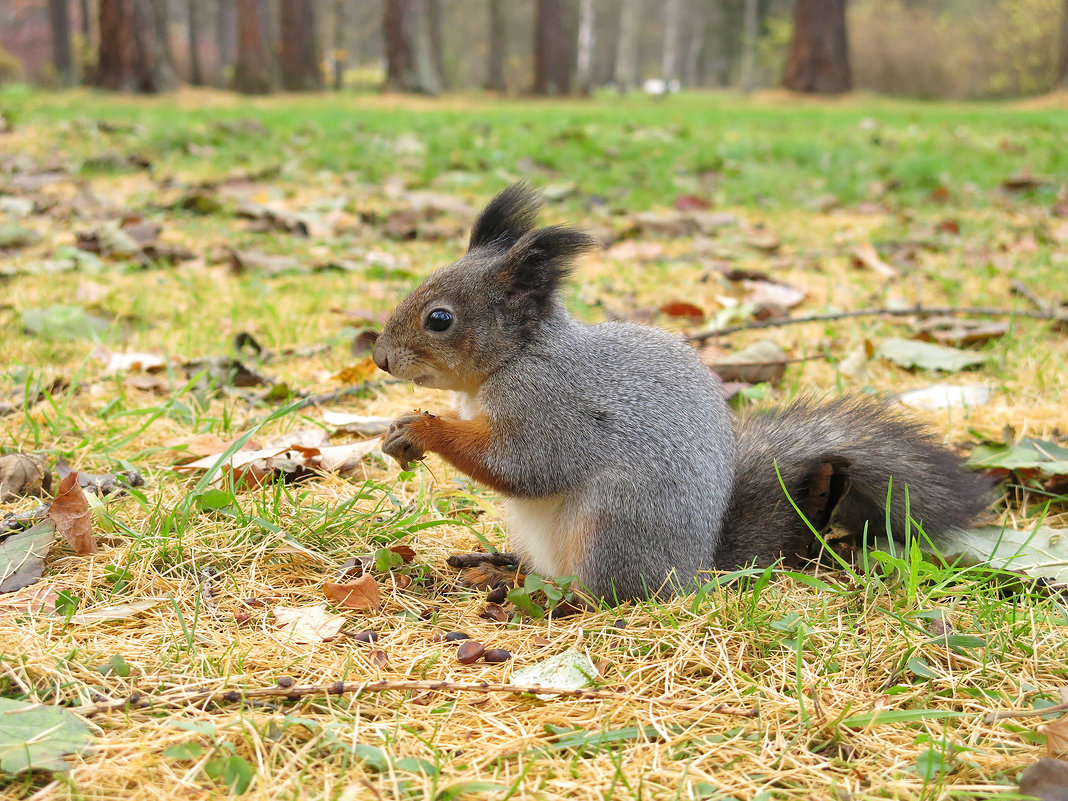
(837,460)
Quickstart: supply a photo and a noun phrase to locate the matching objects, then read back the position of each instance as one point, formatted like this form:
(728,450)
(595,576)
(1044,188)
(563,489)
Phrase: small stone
(497,655)
(620,624)
(456,636)
(470,651)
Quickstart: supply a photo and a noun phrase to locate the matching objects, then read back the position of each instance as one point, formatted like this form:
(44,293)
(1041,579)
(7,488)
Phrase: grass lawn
(304,220)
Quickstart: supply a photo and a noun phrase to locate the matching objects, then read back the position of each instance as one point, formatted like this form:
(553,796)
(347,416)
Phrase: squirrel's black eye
(438,320)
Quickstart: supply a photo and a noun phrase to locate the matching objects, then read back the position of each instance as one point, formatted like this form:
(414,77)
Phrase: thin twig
(1025,713)
(1020,288)
(329,397)
(980,311)
(204,697)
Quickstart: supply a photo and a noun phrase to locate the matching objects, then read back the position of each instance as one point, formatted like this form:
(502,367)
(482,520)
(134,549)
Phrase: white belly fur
(544,531)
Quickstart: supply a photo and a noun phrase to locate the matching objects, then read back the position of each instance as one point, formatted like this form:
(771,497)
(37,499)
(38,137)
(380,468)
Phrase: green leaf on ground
(22,556)
(571,670)
(1041,552)
(64,322)
(36,737)
(914,353)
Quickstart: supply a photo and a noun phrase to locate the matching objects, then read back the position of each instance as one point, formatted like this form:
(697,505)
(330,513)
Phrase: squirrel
(613,446)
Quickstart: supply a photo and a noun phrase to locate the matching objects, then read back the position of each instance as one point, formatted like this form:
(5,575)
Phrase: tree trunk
(134,54)
(59,19)
(254,72)
(299,55)
(1062,71)
(86,32)
(669,65)
(584,60)
(749,38)
(495,62)
(436,40)
(340,56)
(195,76)
(225,36)
(695,26)
(400,64)
(625,74)
(553,48)
(819,54)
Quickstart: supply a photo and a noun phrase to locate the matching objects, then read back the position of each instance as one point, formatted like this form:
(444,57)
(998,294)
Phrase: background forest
(959,49)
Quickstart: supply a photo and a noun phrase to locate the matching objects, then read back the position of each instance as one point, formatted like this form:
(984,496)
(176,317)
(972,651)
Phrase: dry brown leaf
(1056,737)
(356,373)
(23,474)
(951,331)
(759,362)
(772,293)
(1046,780)
(35,598)
(361,593)
(405,552)
(680,308)
(117,612)
(308,624)
(70,512)
(345,458)
(867,256)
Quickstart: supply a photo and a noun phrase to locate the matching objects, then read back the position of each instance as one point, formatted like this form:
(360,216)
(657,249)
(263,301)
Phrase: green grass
(873,683)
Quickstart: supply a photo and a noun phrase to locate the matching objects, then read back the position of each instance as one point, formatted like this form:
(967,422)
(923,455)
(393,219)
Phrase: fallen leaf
(101,484)
(196,446)
(913,353)
(37,736)
(22,556)
(70,512)
(104,614)
(763,240)
(345,459)
(245,261)
(23,474)
(128,362)
(63,323)
(680,308)
(761,362)
(1021,181)
(570,670)
(32,599)
(1046,780)
(356,423)
(359,594)
(867,256)
(308,624)
(331,459)
(946,396)
(356,373)
(1030,459)
(224,371)
(772,293)
(1056,736)
(405,552)
(949,331)
(690,203)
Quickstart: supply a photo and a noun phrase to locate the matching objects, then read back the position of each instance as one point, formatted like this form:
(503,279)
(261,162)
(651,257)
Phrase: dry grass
(811,657)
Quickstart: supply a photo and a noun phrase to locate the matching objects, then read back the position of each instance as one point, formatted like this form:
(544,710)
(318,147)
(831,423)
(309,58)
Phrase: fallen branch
(1025,713)
(286,689)
(980,311)
(329,397)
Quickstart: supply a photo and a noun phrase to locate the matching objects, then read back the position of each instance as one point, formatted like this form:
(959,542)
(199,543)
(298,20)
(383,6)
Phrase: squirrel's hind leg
(487,571)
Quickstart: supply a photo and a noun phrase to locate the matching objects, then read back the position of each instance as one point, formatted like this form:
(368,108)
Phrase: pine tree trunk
(195,76)
(86,31)
(437,41)
(1062,71)
(225,36)
(134,55)
(340,55)
(625,74)
(495,62)
(299,57)
(397,29)
(669,65)
(749,37)
(59,19)
(819,53)
(584,60)
(553,48)
(254,71)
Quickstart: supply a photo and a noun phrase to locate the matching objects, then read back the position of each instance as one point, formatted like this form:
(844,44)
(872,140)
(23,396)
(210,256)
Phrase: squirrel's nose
(380,357)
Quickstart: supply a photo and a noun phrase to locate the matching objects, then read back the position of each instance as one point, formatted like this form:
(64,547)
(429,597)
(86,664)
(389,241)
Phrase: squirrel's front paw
(402,440)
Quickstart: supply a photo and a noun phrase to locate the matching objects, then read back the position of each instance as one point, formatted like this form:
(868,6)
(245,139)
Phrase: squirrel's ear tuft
(508,216)
(540,259)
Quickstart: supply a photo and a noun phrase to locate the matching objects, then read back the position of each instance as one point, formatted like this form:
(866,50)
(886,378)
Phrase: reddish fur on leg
(462,443)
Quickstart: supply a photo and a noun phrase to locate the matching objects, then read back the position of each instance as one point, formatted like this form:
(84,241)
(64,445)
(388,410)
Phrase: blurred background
(947,49)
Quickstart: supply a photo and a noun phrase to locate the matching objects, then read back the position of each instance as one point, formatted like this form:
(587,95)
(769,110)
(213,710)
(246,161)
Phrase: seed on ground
(366,636)
(456,636)
(497,655)
(470,651)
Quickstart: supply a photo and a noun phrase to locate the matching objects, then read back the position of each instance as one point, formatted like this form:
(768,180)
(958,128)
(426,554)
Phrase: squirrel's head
(470,317)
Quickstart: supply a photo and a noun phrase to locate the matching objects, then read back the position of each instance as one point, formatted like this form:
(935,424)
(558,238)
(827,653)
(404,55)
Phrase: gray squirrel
(612,446)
